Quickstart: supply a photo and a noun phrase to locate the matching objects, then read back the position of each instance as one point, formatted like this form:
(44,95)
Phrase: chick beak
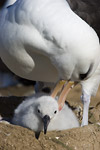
(46,120)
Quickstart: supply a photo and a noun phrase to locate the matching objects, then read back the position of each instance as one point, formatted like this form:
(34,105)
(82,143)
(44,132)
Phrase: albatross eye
(83,76)
(38,111)
(55,111)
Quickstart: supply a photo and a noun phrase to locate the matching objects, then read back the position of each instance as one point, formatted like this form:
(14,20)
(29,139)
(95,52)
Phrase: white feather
(27,114)
(44,40)
(38,36)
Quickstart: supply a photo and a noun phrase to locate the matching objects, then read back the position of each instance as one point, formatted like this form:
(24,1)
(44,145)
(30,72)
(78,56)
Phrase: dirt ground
(17,138)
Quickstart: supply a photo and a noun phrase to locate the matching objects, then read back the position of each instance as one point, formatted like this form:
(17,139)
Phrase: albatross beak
(58,88)
(67,86)
(64,93)
(46,120)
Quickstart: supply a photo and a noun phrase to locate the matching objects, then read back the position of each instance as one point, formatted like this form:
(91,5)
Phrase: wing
(22,46)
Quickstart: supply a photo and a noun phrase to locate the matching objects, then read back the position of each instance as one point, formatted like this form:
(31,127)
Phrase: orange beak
(65,87)
(58,88)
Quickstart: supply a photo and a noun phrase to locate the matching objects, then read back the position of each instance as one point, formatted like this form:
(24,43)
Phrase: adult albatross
(46,41)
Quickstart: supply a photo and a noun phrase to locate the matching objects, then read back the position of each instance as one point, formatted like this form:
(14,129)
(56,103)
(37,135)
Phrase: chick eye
(38,111)
(55,111)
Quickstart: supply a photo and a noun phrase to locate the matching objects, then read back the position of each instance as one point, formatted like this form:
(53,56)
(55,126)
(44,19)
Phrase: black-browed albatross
(40,112)
(46,41)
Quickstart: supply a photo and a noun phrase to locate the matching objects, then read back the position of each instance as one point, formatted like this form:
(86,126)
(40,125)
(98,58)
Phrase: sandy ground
(18,138)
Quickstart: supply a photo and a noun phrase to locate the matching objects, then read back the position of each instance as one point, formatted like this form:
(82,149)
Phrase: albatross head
(47,109)
(79,64)
(76,66)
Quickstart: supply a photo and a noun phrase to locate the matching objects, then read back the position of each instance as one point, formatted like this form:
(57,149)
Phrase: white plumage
(31,112)
(46,41)
(36,35)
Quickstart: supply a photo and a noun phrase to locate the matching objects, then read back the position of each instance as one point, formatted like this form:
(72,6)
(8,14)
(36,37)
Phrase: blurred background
(2,2)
